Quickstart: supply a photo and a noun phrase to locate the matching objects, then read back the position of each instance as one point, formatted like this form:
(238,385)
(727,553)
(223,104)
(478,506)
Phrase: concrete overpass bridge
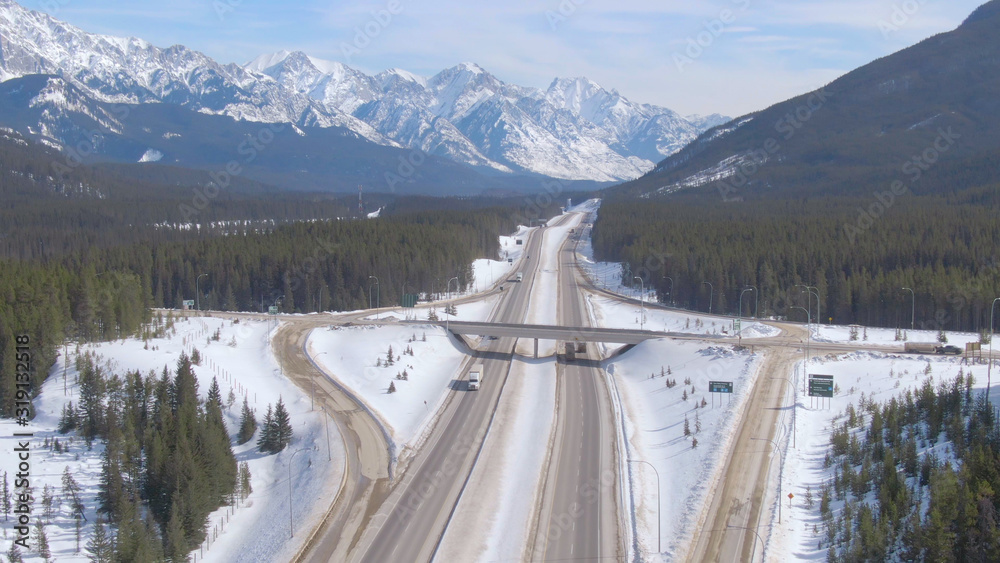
(549,332)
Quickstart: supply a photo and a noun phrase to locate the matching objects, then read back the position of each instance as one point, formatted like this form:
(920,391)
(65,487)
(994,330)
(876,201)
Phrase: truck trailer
(475,376)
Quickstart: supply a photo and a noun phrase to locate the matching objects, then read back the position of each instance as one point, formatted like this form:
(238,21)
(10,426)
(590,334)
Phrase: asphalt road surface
(578,516)
(412,521)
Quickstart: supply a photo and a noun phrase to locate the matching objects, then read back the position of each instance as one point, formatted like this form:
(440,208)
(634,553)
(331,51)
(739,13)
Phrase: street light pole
(658,529)
(753,552)
(291,527)
(378,295)
(447,317)
(782,461)
(808,336)
(642,302)
(671,289)
(197,291)
(711,294)
(989,368)
(809,289)
(913,306)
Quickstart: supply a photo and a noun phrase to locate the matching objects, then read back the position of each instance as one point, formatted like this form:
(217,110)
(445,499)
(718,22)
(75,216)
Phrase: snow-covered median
(506,477)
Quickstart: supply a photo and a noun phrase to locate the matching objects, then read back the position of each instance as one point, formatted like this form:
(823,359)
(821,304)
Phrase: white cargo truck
(475,377)
(520,276)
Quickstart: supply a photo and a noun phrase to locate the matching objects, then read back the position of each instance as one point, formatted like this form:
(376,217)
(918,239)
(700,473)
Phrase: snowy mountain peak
(575,129)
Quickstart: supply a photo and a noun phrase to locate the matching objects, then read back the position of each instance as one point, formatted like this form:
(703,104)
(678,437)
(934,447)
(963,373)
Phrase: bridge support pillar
(536,348)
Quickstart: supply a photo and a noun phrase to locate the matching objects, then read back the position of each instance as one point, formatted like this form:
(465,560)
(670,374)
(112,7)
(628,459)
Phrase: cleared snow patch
(151,155)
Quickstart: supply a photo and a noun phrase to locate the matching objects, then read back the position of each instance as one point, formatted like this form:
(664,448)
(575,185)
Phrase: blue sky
(724,56)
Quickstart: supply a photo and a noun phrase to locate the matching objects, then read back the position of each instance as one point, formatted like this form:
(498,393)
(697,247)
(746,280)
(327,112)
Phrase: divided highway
(579,511)
(412,521)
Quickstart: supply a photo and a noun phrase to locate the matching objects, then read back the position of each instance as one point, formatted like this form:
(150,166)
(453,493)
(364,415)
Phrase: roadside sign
(821,388)
(973,346)
(410,300)
(272,310)
(519,241)
(821,377)
(510,260)
(736,325)
(188,303)
(720,386)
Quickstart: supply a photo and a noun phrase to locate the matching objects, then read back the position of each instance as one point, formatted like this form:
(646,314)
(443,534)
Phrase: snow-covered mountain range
(574,129)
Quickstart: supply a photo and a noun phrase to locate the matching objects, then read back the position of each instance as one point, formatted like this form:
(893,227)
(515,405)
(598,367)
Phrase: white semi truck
(519,277)
(475,377)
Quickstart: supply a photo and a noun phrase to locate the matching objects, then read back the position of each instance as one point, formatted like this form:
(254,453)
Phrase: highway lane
(578,514)
(411,522)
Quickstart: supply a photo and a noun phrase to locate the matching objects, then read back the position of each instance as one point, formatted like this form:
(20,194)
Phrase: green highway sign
(272,310)
(720,386)
(410,300)
(736,325)
(821,388)
(189,303)
(820,377)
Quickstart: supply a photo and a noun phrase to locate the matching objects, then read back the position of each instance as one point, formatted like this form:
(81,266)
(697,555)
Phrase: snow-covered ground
(506,478)
(543,305)
(242,362)
(887,336)
(610,313)
(880,377)
(654,430)
(356,356)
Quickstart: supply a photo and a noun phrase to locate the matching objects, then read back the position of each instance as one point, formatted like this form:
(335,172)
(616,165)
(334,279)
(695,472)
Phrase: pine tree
(175,544)
(246,488)
(47,503)
(697,423)
(282,426)
(248,424)
(684,395)
(390,359)
(100,546)
(687,427)
(392,387)
(5,497)
(41,541)
(265,442)
(68,418)
(14,554)
(195,357)
(214,393)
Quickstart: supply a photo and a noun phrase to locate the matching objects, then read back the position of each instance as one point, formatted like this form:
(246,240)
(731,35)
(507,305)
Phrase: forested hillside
(901,496)
(86,254)
(943,247)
